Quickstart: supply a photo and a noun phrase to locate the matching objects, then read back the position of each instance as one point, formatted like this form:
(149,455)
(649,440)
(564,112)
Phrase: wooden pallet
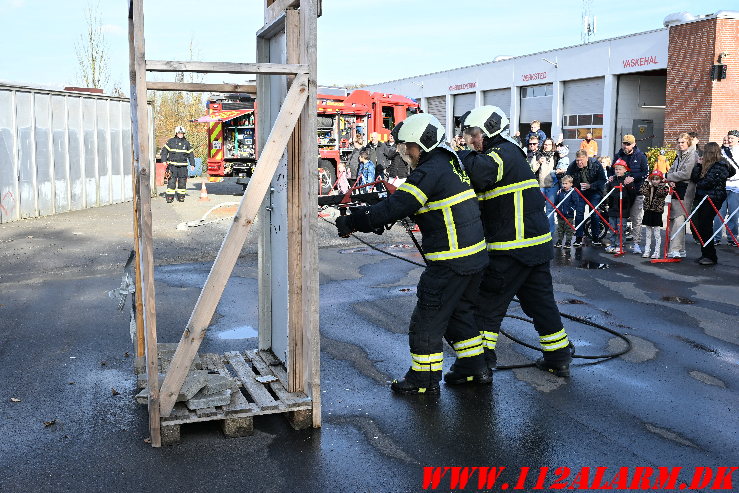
(260,388)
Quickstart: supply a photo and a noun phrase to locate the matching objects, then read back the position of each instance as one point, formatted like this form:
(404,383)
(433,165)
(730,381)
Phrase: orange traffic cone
(203,193)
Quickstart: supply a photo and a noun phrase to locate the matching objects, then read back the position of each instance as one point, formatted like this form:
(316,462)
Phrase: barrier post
(620,251)
(666,259)
(728,230)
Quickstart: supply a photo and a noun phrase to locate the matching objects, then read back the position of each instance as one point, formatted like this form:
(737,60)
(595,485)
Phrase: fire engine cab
(232,131)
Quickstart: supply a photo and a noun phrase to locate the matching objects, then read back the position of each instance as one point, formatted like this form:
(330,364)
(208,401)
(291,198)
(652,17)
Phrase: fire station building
(654,85)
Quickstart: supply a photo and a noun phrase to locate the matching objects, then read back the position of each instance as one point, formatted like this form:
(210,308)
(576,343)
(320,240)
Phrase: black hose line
(602,358)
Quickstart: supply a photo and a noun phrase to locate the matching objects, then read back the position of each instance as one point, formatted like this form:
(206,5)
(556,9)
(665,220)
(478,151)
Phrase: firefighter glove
(344,226)
(360,219)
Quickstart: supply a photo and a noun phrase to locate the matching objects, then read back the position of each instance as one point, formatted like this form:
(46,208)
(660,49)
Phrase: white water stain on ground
(668,274)
(567,288)
(721,294)
(707,379)
(641,349)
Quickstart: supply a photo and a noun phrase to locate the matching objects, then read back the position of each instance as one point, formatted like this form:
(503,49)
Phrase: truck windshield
(388,117)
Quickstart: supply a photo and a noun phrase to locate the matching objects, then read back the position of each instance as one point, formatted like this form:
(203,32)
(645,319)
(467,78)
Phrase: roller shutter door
(536,109)
(500,98)
(437,107)
(582,97)
(464,103)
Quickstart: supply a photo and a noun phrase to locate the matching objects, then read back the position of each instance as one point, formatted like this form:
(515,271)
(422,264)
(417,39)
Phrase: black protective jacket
(177,152)
(592,174)
(713,183)
(511,202)
(439,197)
(396,167)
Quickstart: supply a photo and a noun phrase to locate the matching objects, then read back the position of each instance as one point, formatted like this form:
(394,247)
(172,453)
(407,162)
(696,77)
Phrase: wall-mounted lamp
(551,62)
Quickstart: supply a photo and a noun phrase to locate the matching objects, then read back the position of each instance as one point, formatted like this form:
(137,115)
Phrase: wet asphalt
(65,355)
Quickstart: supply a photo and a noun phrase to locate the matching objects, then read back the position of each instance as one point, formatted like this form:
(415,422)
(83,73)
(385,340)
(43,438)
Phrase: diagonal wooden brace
(233,243)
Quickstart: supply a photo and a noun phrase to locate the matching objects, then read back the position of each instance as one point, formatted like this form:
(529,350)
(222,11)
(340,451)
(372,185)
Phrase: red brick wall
(688,98)
(693,101)
(725,101)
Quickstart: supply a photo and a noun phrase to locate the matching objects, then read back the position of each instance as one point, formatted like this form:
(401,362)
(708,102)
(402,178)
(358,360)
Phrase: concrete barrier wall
(62,151)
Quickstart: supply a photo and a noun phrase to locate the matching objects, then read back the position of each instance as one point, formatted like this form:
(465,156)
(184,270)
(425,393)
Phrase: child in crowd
(605,161)
(366,172)
(572,207)
(616,210)
(654,190)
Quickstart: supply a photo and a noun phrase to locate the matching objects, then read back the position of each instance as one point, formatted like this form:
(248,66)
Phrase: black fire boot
(170,199)
(180,198)
(559,367)
(410,385)
(456,377)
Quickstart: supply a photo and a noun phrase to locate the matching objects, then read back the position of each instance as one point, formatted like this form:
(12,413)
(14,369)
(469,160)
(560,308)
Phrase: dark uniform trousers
(445,308)
(506,277)
(177,183)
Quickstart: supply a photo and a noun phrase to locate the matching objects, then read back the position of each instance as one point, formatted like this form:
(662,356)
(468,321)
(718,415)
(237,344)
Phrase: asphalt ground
(68,420)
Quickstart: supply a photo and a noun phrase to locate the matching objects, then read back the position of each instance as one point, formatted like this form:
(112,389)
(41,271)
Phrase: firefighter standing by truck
(439,196)
(518,239)
(177,153)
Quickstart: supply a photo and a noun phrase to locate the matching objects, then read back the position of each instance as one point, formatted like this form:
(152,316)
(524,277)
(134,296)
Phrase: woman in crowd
(710,180)
(544,168)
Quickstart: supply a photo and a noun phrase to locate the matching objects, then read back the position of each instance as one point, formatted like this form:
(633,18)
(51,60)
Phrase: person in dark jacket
(572,207)
(377,151)
(619,204)
(519,242)
(438,195)
(177,153)
(590,179)
(353,161)
(397,170)
(636,160)
(710,180)
(537,132)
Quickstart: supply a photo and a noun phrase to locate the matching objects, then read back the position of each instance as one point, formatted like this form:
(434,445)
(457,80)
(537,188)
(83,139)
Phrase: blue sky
(360,41)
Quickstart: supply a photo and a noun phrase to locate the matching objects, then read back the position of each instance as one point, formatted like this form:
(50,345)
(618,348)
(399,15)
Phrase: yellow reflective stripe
(170,190)
(415,191)
(432,367)
(460,252)
(518,212)
(447,202)
(427,358)
(468,353)
(167,147)
(515,187)
(473,341)
(451,229)
(496,157)
(493,336)
(556,345)
(526,242)
(553,337)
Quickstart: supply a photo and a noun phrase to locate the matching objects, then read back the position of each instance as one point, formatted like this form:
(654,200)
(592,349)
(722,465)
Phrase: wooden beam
(295,353)
(272,28)
(225,67)
(198,87)
(276,8)
(139,128)
(233,243)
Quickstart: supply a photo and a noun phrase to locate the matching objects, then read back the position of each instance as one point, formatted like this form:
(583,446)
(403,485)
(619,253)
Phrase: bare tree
(92,50)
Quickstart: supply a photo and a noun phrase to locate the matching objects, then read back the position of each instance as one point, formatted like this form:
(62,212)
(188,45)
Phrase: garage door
(583,96)
(536,103)
(437,107)
(500,98)
(464,103)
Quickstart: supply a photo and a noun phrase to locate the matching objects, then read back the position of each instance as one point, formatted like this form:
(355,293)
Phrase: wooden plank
(276,8)
(256,390)
(311,302)
(290,399)
(225,67)
(272,28)
(295,233)
(198,87)
(233,242)
(139,127)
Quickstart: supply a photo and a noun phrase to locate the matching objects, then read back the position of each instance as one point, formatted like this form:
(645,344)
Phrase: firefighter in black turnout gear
(518,239)
(177,153)
(438,195)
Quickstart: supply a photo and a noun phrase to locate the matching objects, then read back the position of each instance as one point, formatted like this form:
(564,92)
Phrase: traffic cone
(203,193)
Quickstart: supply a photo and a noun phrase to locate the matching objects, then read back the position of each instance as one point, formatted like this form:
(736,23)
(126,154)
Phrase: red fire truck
(232,131)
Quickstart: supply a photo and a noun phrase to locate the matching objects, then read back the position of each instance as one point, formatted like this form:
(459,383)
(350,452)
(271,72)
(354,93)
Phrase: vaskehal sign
(639,62)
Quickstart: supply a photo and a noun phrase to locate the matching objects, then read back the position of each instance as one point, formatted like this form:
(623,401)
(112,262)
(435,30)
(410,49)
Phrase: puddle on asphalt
(400,246)
(571,301)
(354,250)
(244,332)
(594,265)
(678,299)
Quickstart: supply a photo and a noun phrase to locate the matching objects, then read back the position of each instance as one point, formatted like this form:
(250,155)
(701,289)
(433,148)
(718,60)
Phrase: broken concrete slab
(217,383)
(202,400)
(193,383)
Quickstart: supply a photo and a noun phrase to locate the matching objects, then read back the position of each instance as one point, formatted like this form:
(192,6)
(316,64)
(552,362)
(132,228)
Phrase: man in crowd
(679,178)
(636,161)
(177,153)
(438,195)
(731,154)
(397,170)
(518,239)
(377,151)
(532,151)
(589,145)
(590,178)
